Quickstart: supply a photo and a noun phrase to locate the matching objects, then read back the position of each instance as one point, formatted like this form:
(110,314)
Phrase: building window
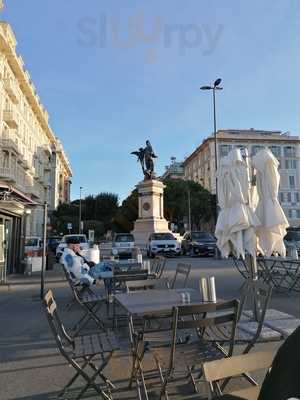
(256,149)
(289,151)
(298,214)
(241,147)
(289,197)
(292,181)
(297,197)
(276,150)
(290,164)
(281,196)
(224,149)
(290,213)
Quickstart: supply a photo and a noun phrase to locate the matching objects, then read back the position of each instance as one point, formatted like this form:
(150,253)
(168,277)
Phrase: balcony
(34,190)
(9,144)
(10,117)
(7,174)
(11,89)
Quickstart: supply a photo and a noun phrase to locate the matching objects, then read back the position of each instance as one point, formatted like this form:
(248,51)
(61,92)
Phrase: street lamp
(80,208)
(214,87)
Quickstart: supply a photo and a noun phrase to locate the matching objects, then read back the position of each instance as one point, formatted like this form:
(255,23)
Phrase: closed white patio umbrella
(237,223)
(273,220)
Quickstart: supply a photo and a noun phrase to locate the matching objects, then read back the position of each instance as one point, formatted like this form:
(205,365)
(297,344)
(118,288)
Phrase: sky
(113,74)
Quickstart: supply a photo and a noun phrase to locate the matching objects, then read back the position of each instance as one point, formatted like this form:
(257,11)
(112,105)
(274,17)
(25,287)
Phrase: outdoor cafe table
(154,301)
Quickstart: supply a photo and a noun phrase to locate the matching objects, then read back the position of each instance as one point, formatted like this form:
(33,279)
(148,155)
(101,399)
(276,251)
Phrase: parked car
(198,243)
(163,243)
(53,242)
(292,238)
(123,245)
(33,244)
(60,248)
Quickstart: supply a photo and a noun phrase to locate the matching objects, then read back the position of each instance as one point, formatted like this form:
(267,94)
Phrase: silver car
(123,245)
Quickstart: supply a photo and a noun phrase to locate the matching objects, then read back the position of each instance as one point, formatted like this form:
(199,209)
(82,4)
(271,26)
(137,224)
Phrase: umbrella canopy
(273,220)
(237,222)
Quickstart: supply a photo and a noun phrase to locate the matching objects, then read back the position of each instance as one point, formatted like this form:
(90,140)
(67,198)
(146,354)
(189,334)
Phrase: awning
(16,194)
(13,201)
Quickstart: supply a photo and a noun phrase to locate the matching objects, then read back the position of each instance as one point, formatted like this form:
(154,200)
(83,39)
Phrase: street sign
(91,235)
(69,226)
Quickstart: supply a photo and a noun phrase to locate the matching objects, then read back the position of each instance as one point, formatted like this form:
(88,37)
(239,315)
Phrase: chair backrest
(59,332)
(72,283)
(255,297)
(158,266)
(183,270)
(201,317)
(233,366)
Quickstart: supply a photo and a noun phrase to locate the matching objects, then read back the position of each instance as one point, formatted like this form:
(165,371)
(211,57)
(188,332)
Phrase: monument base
(143,228)
(151,211)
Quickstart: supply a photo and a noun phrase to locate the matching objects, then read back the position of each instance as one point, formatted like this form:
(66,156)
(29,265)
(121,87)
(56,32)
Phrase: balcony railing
(9,144)
(10,117)
(7,174)
(11,89)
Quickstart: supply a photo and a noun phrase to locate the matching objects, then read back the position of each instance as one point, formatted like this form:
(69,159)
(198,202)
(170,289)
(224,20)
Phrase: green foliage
(96,211)
(96,226)
(176,202)
(102,212)
(127,213)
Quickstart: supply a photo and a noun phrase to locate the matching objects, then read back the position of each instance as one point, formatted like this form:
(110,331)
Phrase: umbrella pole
(253,268)
(253,276)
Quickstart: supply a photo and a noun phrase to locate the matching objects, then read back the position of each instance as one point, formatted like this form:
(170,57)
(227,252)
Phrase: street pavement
(32,369)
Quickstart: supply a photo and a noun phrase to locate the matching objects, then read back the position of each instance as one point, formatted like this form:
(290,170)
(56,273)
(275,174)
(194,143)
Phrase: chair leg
(73,379)
(190,369)
(90,314)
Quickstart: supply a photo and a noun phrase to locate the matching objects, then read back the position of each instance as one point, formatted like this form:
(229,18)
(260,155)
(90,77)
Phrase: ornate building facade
(33,165)
(200,165)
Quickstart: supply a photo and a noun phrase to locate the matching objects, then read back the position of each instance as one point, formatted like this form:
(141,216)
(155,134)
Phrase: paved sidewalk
(31,367)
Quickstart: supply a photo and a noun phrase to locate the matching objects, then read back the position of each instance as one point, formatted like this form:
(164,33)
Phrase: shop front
(13,205)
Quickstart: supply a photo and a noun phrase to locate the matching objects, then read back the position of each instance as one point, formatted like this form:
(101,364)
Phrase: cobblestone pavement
(32,369)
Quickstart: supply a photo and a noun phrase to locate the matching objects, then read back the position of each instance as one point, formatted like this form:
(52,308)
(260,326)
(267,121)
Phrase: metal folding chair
(118,285)
(158,266)
(81,351)
(214,371)
(187,348)
(89,301)
(183,270)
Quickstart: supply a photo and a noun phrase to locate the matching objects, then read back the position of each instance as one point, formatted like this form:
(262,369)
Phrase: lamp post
(44,257)
(189,210)
(214,87)
(80,193)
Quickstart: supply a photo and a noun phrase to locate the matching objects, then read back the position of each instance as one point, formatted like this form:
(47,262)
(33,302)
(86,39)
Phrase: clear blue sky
(115,73)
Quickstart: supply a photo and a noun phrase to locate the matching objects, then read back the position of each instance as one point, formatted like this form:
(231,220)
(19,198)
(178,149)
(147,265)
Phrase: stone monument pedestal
(151,211)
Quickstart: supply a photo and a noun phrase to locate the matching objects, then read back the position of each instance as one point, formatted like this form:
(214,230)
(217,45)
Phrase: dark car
(53,242)
(198,244)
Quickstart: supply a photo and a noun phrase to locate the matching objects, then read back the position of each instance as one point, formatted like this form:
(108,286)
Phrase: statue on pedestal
(145,157)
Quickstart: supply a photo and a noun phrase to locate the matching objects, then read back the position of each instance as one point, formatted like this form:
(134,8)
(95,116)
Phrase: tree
(99,209)
(176,202)
(127,214)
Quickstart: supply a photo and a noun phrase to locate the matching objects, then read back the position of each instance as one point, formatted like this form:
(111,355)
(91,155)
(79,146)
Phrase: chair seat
(91,297)
(271,314)
(88,345)
(247,329)
(284,326)
(194,353)
(244,394)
